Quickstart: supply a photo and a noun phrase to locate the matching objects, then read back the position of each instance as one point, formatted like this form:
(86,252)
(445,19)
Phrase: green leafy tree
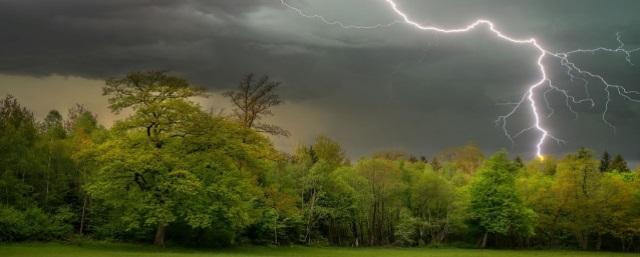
(405,231)
(342,200)
(534,185)
(496,207)
(313,168)
(34,175)
(18,137)
(435,201)
(53,125)
(137,154)
(159,102)
(282,216)
(84,135)
(616,209)
(574,192)
(467,158)
(170,163)
(313,196)
(58,166)
(384,188)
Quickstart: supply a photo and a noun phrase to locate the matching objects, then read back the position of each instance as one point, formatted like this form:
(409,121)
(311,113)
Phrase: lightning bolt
(573,71)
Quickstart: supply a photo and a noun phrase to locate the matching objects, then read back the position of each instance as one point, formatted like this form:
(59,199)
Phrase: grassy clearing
(125,250)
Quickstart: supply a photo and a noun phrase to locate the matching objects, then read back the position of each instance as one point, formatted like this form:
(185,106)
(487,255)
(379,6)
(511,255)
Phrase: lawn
(121,250)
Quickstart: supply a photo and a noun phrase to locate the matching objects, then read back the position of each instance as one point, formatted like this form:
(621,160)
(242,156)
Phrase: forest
(171,172)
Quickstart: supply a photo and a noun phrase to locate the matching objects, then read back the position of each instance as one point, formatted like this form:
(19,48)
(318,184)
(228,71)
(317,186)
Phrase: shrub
(34,224)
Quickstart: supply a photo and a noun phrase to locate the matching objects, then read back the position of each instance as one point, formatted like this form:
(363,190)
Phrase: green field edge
(100,249)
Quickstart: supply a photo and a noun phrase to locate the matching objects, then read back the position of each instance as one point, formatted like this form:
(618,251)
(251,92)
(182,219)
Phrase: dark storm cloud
(385,88)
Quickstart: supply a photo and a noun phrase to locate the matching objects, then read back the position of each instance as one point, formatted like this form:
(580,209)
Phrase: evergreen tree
(619,164)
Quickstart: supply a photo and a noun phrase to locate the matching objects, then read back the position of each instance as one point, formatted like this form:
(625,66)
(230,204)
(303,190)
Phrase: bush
(12,224)
(34,224)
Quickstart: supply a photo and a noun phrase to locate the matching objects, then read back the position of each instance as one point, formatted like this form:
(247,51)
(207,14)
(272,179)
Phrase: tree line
(172,172)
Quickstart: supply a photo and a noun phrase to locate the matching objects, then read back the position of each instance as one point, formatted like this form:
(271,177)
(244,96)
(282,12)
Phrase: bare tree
(253,100)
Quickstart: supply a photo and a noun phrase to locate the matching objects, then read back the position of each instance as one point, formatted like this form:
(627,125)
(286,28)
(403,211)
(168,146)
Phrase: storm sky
(388,88)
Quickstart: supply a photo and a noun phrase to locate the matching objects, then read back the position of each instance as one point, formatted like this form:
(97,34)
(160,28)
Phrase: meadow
(125,250)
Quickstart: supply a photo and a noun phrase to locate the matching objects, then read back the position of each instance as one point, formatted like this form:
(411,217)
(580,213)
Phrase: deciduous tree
(496,207)
(254,100)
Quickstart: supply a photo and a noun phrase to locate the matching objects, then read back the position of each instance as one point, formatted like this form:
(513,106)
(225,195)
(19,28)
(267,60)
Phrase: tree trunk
(307,236)
(46,195)
(275,229)
(160,234)
(583,240)
(82,216)
(356,234)
(484,240)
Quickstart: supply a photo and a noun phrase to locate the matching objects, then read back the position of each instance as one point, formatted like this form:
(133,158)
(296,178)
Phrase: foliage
(33,224)
(171,171)
(496,207)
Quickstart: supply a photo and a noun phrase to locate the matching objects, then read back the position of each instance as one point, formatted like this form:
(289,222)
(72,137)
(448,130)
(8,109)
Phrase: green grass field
(121,250)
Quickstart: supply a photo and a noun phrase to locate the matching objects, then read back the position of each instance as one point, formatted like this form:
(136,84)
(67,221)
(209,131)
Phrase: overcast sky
(388,88)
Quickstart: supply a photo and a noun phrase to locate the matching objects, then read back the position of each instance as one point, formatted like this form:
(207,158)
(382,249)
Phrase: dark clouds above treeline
(375,89)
